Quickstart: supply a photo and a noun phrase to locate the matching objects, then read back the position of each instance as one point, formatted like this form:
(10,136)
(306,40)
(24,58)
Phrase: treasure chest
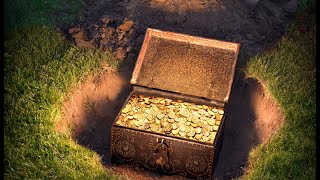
(173,120)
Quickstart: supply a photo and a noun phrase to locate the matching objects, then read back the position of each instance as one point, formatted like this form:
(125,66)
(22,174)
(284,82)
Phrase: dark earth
(120,26)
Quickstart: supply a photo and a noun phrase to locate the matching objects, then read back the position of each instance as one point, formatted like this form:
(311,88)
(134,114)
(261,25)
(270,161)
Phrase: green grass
(289,73)
(39,70)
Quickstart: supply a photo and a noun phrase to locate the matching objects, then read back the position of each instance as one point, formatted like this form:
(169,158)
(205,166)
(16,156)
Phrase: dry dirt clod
(120,53)
(120,36)
(105,20)
(126,25)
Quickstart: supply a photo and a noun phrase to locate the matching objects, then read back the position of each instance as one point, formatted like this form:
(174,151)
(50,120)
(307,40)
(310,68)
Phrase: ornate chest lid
(188,65)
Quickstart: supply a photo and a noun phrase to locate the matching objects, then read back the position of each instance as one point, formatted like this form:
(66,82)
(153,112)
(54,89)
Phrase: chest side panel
(189,159)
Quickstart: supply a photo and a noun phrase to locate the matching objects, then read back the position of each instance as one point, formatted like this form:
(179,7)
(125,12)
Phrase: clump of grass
(289,72)
(39,70)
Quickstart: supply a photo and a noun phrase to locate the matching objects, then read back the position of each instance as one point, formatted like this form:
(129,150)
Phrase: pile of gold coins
(175,118)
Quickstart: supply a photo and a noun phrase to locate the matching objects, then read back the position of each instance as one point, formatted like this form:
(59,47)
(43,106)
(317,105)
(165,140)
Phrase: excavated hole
(90,110)
(253,115)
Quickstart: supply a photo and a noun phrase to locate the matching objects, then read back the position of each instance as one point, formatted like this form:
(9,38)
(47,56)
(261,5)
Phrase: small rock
(126,25)
(105,20)
(120,36)
(120,53)
(128,49)
(83,44)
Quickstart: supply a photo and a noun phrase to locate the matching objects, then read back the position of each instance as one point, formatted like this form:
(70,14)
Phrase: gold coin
(198,136)
(160,116)
(149,117)
(215,128)
(174,126)
(188,129)
(202,112)
(195,120)
(211,122)
(220,111)
(171,120)
(125,110)
(167,128)
(203,117)
(204,107)
(131,113)
(137,123)
(130,117)
(200,124)
(182,128)
(218,117)
(154,127)
(198,130)
(136,116)
(211,113)
(188,123)
(215,110)
(191,133)
(182,133)
(194,125)
(177,119)
(172,115)
(212,136)
(174,131)
(218,123)
(158,121)
(164,124)
(205,138)
(131,123)
(206,133)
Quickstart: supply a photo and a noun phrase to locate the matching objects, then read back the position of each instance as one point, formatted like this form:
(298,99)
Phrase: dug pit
(120,26)
(91,109)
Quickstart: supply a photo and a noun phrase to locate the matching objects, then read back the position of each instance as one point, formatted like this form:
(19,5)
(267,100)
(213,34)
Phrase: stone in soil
(126,25)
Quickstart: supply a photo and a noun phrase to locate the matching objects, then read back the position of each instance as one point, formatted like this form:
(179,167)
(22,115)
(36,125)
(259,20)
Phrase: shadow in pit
(240,133)
(94,128)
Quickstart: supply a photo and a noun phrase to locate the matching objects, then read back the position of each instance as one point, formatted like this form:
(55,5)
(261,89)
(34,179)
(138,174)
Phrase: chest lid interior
(184,64)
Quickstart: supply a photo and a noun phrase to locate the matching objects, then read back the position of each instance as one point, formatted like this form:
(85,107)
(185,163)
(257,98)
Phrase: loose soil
(120,26)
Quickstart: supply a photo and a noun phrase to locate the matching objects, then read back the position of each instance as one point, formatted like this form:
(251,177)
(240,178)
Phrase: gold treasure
(174,118)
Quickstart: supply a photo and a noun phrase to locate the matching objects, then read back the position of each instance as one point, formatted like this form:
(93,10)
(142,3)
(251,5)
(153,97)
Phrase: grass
(289,73)
(40,68)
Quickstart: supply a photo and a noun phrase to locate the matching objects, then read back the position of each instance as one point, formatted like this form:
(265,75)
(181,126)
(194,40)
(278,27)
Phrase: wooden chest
(173,120)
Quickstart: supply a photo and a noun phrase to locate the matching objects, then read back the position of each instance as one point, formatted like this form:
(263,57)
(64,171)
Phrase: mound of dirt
(120,26)
(91,109)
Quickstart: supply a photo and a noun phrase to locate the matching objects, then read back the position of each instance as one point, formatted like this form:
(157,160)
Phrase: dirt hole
(90,110)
